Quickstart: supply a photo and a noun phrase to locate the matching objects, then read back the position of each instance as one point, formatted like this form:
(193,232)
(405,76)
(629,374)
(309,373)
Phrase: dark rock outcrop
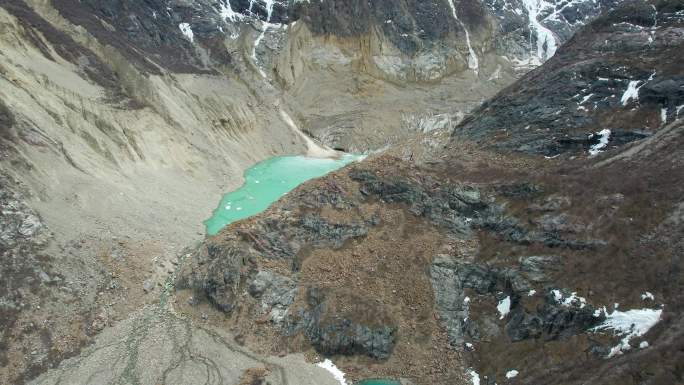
(457,208)
(348,338)
(555,318)
(220,267)
(561,315)
(217,273)
(451,277)
(460,209)
(331,333)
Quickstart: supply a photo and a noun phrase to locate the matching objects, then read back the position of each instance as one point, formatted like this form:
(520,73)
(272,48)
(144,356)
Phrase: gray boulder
(275,292)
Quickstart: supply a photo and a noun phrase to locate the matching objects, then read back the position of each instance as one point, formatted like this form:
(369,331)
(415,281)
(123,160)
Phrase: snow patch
(584,100)
(632,92)
(512,373)
(572,299)
(643,344)
(647,295)
(604,135)
(334,370)
(630,324)
(227,12)
(663,115)
(187,31)
(474,377)
(531,293)
(504,307)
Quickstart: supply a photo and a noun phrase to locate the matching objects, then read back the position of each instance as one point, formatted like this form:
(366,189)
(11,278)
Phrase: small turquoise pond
(378,382)
(266,182)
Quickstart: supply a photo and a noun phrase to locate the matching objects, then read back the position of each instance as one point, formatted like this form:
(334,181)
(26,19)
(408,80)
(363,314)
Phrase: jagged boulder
(215,271)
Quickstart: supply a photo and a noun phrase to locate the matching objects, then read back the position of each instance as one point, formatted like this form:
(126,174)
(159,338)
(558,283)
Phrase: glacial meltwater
(266,182)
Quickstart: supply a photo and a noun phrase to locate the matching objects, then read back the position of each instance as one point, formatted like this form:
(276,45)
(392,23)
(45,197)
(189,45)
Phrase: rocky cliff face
(470,46)
(619,76)
(459,31)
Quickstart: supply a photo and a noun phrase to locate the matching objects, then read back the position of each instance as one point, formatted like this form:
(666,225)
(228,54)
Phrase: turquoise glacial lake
(268,181)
